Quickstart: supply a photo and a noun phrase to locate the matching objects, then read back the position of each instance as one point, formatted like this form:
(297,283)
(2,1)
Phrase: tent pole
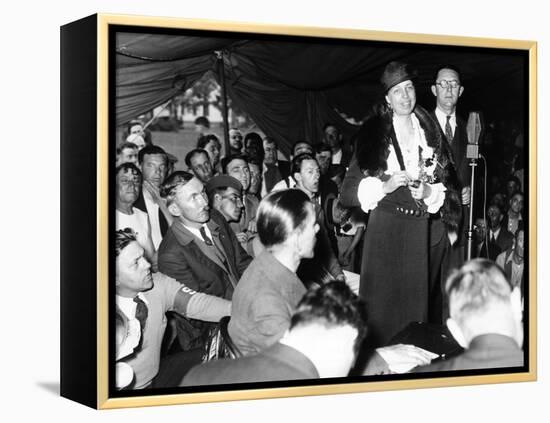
(221,72)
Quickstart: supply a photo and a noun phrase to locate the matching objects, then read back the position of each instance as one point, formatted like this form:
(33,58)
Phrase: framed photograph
(430,229)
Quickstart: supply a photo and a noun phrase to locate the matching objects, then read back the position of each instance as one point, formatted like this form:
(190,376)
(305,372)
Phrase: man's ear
(434,90)
(174,210)
(456,332)
(460,91)
(297,177)
(516,302)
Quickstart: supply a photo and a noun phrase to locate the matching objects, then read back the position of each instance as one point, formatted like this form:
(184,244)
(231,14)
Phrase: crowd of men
(193,245)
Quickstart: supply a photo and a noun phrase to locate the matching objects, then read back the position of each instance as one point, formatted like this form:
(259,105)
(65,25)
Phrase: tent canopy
(291,87)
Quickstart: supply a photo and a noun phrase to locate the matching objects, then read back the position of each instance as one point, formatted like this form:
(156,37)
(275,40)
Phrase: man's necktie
(449,130)
(141,312)
(205,237)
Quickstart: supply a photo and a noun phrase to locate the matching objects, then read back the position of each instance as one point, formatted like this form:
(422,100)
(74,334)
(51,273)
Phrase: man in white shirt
(512,260)
(146,297)
(154,165)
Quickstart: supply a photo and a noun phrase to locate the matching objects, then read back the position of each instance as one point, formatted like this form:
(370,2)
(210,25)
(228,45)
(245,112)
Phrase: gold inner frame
(103,21)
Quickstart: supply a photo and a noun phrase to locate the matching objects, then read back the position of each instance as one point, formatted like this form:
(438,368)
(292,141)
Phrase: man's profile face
(332,136)
(270,153)
(238,168)
(201,167)
(133,271)
(235,139)
(230,204)
(447,98)
(128,184)
(213,150)
(154,169)
(308,178)
(191,203)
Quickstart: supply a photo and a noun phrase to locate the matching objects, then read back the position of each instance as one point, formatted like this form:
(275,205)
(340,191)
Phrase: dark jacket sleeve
(348,194)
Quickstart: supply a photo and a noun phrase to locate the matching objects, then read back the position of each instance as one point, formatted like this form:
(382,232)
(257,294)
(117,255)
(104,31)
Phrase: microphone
(474,128)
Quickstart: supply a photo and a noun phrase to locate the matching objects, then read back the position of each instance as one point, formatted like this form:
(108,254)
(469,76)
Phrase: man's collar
(443,115)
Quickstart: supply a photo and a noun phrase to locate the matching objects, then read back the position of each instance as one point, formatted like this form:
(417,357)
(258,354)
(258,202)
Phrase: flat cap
(220,181)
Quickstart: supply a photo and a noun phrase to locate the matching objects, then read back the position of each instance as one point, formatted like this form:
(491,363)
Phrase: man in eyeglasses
(447,250)
(225,195)
(235,141)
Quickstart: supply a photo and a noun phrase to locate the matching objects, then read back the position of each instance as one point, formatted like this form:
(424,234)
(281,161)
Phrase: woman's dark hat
(395,73)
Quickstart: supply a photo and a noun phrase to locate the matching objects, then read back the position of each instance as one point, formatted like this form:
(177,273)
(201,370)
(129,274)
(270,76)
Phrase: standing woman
(409,175)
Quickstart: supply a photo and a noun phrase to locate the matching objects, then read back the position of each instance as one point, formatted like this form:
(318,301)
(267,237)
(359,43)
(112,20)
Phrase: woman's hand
(398,179)
(420,191)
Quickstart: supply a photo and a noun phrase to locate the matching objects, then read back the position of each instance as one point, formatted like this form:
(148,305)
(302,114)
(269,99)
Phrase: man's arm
(190,303)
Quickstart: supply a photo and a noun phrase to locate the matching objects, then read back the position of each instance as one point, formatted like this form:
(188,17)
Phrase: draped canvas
(292,87)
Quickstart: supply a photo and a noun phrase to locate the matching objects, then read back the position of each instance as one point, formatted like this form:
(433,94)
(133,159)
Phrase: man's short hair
(332,305)
(515,179)
(450,67)
(194,153)
(205,139)
(202,120)
(328,125)
(473,288)
(123,237)
(124,145)
(150,150)
(280,214)
(123,167)
(301,142)
(172,183)
(321,148)
(269,140)
(228,159)
(296,165)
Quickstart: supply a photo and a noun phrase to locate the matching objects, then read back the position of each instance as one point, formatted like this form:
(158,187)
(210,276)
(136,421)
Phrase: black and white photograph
(297,211)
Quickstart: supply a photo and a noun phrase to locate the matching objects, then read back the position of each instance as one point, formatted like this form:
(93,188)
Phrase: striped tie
(449,130)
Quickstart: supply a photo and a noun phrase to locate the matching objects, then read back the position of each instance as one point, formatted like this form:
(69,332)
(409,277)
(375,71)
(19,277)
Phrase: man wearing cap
(225,195)
(199,250)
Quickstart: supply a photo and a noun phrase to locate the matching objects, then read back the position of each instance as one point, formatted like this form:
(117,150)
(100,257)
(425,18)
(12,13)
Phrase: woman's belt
(405,211)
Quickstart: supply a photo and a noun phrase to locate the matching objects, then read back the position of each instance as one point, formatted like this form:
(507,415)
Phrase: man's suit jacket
(484,352)
(180,257)
(458,149)
(140,204)
(505,239)
(278,362)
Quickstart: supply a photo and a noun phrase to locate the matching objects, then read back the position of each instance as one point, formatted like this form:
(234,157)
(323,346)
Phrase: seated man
(198,162)
(498,234)
(199,250)
(237,166)
(225,195)
(269,289)
(512,261)
(325,331)
(128,185)
(143,296)
(486,319)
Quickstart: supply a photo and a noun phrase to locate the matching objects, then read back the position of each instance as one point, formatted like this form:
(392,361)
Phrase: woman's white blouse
(370,190)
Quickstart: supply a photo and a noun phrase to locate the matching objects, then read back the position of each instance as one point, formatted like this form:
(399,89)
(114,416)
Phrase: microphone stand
(470,233)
